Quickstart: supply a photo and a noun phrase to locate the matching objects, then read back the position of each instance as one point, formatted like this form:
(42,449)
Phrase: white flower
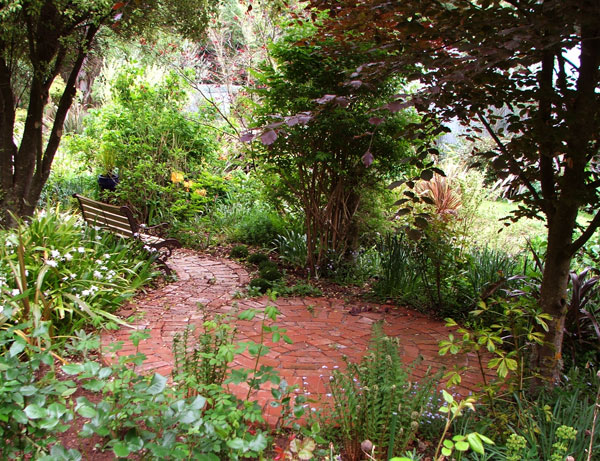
(72,276)
(81,250)
(55,254)
(86,293)
(15,292)
(26,273)
(51,263)
(97,275)
(68,256)
(98,237)
(98,261)
(103,268)
(106,256)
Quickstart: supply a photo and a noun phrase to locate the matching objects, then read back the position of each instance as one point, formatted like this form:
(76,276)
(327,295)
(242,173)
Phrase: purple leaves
(367,159)
(397,105)
(376,121)
(338,100)
(247,137)
(268,137)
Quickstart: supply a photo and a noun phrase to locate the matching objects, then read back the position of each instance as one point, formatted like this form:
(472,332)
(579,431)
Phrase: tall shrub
(324,162)
(152,137)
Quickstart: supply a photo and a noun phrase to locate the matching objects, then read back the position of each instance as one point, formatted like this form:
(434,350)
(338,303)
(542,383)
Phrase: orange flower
(176,176)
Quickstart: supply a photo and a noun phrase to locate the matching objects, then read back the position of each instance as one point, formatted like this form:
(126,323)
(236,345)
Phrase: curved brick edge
(323,330)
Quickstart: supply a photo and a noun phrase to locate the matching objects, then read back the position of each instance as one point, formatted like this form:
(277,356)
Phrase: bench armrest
(159,230)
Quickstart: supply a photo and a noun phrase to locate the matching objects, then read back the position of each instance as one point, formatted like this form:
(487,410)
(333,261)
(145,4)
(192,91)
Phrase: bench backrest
(117,219)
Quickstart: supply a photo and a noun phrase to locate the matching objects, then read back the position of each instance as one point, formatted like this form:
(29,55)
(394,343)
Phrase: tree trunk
(547,358)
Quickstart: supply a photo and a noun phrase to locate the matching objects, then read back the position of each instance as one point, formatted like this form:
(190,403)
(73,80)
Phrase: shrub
(204,357)
(270,274)
(153,138)
(267,265)
(300,289)
(239,252)
(324,164)
(260,284)
(33,407)
(259,227)
(257,258)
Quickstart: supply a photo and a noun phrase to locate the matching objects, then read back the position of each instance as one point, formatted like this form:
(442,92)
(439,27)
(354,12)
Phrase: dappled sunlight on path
(323,330)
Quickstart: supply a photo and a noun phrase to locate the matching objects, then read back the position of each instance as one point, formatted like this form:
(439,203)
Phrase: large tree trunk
(26,169)
(547,359)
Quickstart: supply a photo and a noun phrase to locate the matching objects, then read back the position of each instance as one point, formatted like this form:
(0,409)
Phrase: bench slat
(106,219)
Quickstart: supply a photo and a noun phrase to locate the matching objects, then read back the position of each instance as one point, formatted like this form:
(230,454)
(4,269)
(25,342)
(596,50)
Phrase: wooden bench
(120,221)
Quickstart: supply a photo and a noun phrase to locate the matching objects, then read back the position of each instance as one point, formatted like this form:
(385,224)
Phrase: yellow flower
(227,177)
(176,176)
(200,192)
(188,184)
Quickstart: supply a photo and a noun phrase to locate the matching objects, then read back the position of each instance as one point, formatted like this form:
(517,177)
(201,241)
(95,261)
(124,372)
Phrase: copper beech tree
(41,39)
(537,61)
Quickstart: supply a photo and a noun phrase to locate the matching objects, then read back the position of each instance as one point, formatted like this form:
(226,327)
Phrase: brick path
(322,329)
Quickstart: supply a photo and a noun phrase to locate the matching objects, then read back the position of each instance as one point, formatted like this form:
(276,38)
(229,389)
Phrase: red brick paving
(322,329)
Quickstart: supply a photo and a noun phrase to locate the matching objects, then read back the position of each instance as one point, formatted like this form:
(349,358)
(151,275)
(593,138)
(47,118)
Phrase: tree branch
(585,236)
(511,159)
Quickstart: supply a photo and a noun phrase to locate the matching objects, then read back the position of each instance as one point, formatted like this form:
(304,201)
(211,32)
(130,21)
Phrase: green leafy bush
(257,258)
(323,164)
(270,273)
(291,246)
(159,149)
(204,357)
(33,402)
(239,252)
(260,284)
(259,227)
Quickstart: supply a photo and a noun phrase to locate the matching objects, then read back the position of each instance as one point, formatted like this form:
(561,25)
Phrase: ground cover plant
(69,274)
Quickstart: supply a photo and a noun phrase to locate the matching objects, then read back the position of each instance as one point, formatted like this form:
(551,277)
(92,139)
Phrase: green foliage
(239,252)
(474,441)
(203,359)
(270,274)
(557,424)
(55,269)
(33,402)
(432,274)
(324,164)
(376,400)
(140,414)
(259,227)
(300,289)
(260,284)
(518,323)
(291,246)
(487,269)
(257,258)
(154,145)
